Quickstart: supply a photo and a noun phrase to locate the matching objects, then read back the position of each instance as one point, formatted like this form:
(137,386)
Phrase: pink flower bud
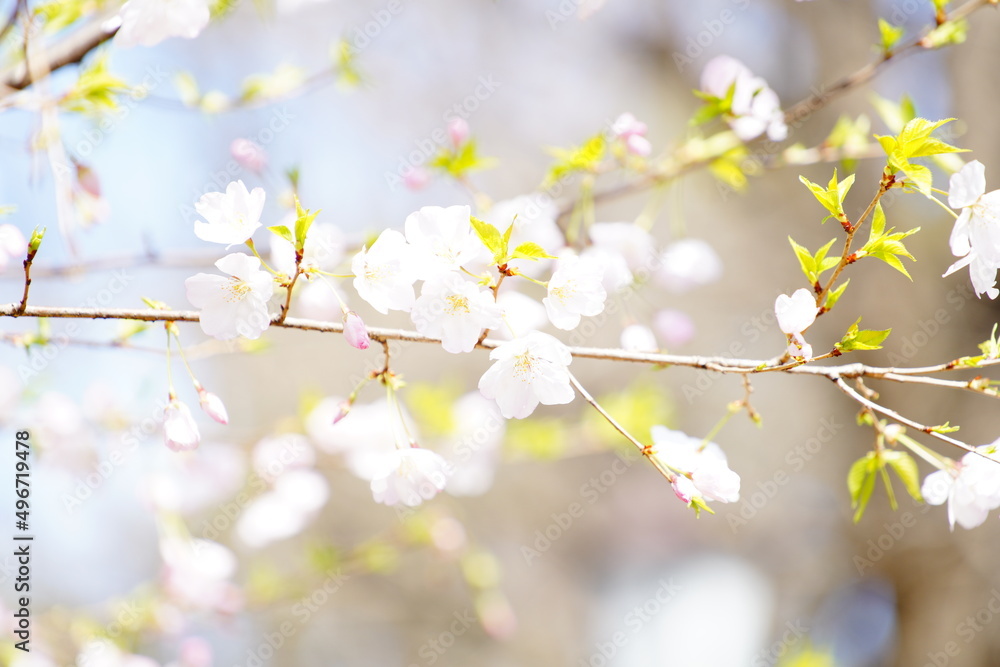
(355,332)
(638,145)
(458,130)
(213,406)
(180,432)
(88,180)
(684,489)
(416,178)
(195,652)
(13,245)
(248,154)
(345,407)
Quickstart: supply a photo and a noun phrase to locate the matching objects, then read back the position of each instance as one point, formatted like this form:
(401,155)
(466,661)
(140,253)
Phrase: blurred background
(564,553)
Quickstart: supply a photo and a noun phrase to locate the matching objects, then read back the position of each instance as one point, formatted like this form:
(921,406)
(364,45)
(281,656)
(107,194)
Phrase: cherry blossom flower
(633,133)
(456,311)
(180,432)
(575,289)
(324,248)
(674,327)
(197,574)
(971,488)
(149,22)
(232,216)
(976,235)
(276,455)
(475,444)
(236,304)
(795,314)
(13,245)
(416,178)
(458,131)
(442,239)
(705,467)
(363,436)
(527,371)
(520,312)
(626,250)
(687,264)
(384,274)
(755,107)
(410,476)
(355,332)
(638,338)
(534,220)
(248,154)
(212,405)
(104,653)
(284,511)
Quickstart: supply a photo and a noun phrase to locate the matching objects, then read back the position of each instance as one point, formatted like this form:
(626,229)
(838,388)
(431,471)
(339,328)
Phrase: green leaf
(576,159)
(945,428)
(894,115)
(906,468)
(950,32)
(96,90)
(834,295)
(824,263)
(887,246)
(878,223)
(491,238)
(861,483)
(531,251)
(284,232)
(37,235)
(806,260)
(303,221)
(831,197)
(862,339)
(991,347)
(889,35)
(813,266)
(459,162)
(187,88)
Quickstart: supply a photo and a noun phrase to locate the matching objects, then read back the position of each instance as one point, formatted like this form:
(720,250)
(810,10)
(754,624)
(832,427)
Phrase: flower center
(457,304)
(563,292)
(524,367)
(375,273)
(237,289)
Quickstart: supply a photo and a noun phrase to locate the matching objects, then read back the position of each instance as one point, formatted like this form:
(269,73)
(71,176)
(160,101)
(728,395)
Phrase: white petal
(968,185)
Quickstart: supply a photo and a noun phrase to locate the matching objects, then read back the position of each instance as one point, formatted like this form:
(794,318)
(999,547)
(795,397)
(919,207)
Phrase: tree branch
(70,50)
(379,334)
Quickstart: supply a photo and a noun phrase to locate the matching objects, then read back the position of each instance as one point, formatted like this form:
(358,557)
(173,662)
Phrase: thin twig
(69,51)
(895,416)
(379,334)
(799,111)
